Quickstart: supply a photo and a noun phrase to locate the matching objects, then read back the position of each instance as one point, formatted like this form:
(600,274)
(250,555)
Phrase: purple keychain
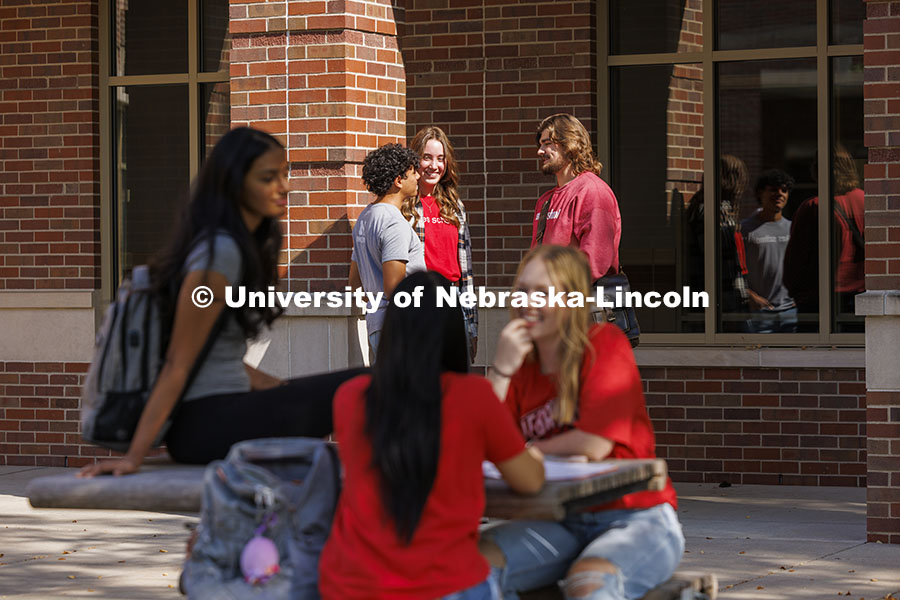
(259,558)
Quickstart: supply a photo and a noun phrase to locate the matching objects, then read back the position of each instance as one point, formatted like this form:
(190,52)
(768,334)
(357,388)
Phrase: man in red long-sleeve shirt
(581,210)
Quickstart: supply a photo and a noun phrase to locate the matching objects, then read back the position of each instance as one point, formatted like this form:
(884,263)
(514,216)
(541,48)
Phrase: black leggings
(204,429)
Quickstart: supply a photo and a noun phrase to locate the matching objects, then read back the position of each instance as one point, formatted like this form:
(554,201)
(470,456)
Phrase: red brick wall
(333,90)
(760,426)
(882,136)
(882,187)
(487,77)
(49,145)
(39,416)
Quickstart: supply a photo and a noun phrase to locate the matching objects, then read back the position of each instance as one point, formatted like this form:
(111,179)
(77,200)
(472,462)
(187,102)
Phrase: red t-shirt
(611,405)
(441,241)
(583,213)
(363,557)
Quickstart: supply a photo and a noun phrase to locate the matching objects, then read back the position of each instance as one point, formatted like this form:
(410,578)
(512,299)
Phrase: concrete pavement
(763,543)
(49,553)
(778,542)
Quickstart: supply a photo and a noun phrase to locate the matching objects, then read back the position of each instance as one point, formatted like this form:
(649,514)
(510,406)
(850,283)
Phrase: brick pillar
(881,303)
(49,224)
(49,147)
(328,79)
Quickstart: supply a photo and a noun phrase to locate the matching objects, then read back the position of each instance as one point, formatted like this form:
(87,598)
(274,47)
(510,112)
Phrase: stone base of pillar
(882,311)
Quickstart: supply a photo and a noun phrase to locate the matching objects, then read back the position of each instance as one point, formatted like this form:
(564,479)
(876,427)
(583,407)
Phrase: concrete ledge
(46,299)
(878,303)
(675,356)
(161,487)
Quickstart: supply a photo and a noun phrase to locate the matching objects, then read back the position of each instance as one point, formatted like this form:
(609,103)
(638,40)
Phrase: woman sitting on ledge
(229,235)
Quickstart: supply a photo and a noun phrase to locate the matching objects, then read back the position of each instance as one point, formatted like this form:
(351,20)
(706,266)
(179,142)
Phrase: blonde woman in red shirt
(439,217)
(574,389)
(412,438)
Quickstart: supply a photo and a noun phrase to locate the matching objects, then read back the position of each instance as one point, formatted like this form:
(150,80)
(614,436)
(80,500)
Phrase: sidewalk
(778,542)
(743,534)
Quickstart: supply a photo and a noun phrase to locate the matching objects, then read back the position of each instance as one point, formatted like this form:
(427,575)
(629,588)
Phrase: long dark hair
(403,407)
(215,204)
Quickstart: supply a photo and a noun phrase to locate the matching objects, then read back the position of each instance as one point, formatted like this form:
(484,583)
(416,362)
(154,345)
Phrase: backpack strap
(858,239)
(542,221)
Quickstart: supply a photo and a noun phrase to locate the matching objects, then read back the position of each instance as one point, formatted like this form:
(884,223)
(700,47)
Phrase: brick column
(49,224)
(881,303)
(328,79)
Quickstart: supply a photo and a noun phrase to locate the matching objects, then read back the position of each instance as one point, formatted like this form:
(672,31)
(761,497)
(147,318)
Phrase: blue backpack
(128,355)
(288,485)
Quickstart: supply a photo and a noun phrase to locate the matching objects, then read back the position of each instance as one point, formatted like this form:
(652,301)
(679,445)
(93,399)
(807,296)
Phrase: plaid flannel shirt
(464,252)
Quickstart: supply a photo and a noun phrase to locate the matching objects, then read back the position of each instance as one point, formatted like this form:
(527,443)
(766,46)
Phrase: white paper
(561,470)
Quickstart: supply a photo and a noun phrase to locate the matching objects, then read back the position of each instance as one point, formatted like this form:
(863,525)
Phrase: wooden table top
(559,497)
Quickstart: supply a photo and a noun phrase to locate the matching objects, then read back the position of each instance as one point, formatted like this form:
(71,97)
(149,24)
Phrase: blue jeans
(374,338)
(773,321)
(645,545)
(488,589)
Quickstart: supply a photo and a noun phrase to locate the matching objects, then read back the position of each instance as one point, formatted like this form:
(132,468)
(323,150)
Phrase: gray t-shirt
(223,370)
(765,243)
(382,234)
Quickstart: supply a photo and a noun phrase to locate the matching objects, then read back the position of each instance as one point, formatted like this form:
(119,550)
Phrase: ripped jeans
(645,545)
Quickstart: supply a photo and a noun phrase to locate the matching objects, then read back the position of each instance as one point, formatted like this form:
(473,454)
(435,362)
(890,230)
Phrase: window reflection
(151,169)
(765,235)
(654,26)
(847,21)
(150,37)
(767,120)
(657,130)
(215,104)
(216,39)
(747,24)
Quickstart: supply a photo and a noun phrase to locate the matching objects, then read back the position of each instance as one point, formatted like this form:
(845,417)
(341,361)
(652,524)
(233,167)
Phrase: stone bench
(160,486)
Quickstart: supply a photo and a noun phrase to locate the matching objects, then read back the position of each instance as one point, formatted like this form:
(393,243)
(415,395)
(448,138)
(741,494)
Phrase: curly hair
(776,178)
(571,135)
(445,192)
(382,166)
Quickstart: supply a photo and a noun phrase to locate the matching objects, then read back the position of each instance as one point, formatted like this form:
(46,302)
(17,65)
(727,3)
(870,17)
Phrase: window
(165,99)
(748,94)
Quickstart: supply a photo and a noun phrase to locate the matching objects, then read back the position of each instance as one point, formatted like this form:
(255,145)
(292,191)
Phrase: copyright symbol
(202,296)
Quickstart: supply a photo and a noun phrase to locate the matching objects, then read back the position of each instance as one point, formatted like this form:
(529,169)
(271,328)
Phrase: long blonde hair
(569,271)
(445,192)
(571,135)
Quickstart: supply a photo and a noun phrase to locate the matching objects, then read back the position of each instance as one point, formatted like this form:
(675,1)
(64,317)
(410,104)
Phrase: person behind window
(766,233)
(801,260)
(229,235)
(574,389)
(412,438)
(733,296)
(385,247)
(439,218)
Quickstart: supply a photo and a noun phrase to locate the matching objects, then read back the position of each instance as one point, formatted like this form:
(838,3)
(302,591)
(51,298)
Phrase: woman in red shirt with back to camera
(574,389)
(412,438)
(439,218)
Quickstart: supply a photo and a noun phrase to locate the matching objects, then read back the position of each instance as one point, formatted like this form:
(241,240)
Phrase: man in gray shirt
(766,234)
(385,247)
